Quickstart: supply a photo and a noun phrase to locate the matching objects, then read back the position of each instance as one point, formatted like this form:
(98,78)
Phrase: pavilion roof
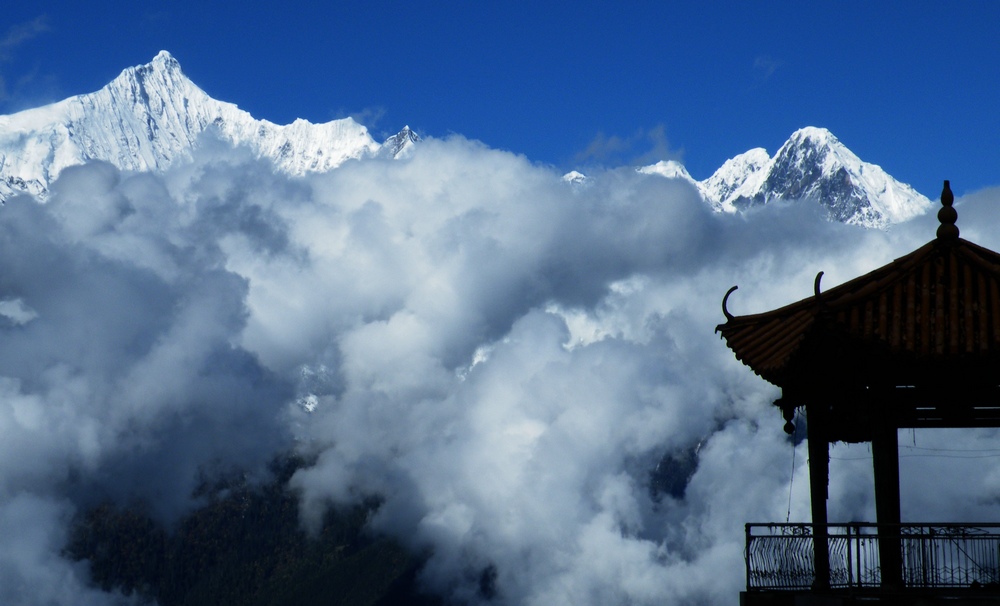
(937,306)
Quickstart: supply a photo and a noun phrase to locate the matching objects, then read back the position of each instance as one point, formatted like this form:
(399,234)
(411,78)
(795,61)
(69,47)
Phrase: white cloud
(500,356)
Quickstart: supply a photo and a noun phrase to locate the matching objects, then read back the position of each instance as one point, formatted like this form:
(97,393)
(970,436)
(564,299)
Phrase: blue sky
(911,86)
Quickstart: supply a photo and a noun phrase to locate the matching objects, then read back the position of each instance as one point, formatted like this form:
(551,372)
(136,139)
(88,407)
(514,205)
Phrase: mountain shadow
(245,548)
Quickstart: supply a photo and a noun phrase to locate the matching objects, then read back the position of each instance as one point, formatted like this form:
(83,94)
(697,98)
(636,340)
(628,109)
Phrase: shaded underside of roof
(937,306)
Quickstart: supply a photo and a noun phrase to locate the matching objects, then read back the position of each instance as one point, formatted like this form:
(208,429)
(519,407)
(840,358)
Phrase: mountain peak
(817,145)
(400,144)
(812,164)
(164,56)
(165,59)
(163,63)
(163,68)
(150,116)
(736,178)
(814,133)
(671,169)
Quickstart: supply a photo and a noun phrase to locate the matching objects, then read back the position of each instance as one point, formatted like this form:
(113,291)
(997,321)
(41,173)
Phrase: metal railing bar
(934,555)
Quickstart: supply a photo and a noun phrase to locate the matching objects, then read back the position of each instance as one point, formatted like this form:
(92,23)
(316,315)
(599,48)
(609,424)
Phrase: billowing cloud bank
(503,357)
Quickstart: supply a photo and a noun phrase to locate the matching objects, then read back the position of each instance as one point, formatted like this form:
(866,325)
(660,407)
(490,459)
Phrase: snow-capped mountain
(152,115)
(670,169)
(813,164)
(743,172)
(400,144)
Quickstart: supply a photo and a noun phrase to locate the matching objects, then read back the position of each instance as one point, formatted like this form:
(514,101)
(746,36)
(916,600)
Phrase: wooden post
(885,460)
(819,480)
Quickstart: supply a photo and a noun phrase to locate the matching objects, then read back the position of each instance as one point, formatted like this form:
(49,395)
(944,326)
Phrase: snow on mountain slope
(148,117)
(668,168)
(813,164)
(151,115)
(400,145)
(742,173)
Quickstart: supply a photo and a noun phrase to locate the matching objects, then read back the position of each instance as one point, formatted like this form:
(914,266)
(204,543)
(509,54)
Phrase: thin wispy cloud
(21,33)
(155,18)
(643,146)
(13,38)
(369,116)
(764,67)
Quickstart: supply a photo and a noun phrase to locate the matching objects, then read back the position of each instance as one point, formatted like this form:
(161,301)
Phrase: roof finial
(947,215)
(725,300)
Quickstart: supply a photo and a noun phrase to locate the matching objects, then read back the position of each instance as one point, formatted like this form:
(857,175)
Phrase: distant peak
(163,68)
(164,61)
(671,169)
(164,57)
(397,145)
(814,133)
(406,134)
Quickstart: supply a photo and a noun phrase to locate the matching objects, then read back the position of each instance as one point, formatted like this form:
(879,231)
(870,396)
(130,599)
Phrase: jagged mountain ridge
(812,165)
(152,115)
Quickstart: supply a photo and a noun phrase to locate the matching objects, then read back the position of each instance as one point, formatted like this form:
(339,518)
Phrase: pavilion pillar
(819,481)
(885,460)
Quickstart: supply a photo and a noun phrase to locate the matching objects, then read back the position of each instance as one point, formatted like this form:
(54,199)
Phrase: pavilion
(913,344)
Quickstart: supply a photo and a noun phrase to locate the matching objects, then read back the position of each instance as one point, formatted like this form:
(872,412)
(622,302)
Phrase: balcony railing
(945,556)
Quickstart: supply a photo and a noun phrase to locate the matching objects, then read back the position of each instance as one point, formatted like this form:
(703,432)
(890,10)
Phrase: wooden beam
(819,481)
(885,460)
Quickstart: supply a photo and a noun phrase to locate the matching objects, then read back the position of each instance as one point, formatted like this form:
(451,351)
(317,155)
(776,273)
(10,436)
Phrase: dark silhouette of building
(913,344)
